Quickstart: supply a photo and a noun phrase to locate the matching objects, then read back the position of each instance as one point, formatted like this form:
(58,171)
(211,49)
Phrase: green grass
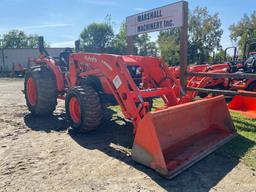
(243,147)
(158,103)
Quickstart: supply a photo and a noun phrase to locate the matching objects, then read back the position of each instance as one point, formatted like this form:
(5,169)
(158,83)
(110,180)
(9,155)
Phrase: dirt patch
(42,154)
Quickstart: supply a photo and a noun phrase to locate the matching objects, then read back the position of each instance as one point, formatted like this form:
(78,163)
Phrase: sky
(61,22)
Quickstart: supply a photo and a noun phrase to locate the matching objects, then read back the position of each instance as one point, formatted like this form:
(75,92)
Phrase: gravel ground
(41,154)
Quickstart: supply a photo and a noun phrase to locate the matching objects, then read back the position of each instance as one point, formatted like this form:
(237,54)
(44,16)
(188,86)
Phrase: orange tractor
(207,82)
(238,75)
(168,140)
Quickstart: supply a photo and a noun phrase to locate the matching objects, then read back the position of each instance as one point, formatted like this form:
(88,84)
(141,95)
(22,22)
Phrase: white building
(9,57)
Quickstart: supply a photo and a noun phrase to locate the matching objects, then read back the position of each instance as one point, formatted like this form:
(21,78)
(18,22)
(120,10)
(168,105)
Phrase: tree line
(18,39)
(204,34)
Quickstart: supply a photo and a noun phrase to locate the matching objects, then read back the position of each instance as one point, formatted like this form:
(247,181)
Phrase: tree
(217,57)
(204,34)
(168,42)
(152,49)
(119,43)
(32,41)
(97,37)
(1,42)
(18,39)
(144,46)
(244,30)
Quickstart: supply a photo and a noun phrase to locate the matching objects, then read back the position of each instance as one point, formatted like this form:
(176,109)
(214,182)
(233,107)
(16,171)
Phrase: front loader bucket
(245,105)
(173,139)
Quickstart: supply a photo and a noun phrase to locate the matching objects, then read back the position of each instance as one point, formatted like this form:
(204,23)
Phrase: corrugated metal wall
(8,57)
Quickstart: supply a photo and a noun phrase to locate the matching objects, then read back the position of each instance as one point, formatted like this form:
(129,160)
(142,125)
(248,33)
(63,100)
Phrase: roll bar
(234,55)
(42,49)
(77,45)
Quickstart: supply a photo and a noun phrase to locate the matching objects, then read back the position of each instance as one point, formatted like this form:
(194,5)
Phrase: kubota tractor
(245,81)
(243,104)
(168,140)
(246,105)
(230,66)
(234,65)
(247,65)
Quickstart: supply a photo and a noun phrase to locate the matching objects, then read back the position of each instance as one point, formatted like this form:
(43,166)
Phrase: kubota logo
(90,59)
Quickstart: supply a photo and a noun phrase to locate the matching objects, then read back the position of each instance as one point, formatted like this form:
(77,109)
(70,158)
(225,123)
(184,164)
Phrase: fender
(56,71)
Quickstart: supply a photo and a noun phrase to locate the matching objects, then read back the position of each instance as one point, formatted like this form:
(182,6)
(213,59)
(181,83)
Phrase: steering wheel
(250,64)
(64,57)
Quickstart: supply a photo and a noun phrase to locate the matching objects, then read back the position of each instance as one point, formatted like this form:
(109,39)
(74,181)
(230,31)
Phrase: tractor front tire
(40,91)
(83,108)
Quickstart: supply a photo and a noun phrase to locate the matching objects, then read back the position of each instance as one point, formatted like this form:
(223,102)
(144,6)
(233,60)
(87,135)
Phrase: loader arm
(113,69)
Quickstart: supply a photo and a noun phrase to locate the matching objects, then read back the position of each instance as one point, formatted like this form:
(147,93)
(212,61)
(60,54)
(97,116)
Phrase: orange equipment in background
(245,105)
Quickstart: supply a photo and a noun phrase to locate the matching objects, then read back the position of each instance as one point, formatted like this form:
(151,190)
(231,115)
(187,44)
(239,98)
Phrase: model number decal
(90,59)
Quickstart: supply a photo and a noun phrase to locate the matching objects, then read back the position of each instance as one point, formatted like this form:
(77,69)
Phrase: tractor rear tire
(83,108)
(40,91)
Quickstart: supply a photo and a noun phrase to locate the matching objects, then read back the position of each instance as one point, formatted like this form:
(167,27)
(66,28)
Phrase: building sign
(161,18)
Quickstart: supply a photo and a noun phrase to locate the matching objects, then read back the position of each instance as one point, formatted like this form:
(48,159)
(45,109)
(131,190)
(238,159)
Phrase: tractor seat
(250,64)
(64,58)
